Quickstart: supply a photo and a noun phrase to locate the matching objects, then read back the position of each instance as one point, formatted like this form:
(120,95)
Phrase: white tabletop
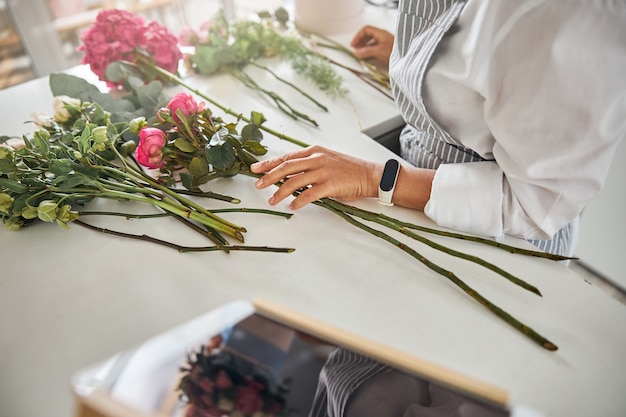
(69,298)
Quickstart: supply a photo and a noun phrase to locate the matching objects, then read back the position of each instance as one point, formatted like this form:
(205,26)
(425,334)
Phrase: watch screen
(389,175)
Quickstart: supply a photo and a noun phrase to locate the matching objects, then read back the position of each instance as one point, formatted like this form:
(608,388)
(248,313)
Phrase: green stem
(146,238)
(475,259)
(278,100)
(175,79)
(512,321)
(188,203)
(186,212)
(485,241)
(292,85)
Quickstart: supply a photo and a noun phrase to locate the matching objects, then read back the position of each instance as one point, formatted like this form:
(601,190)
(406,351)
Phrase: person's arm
(327,173)
(552,91)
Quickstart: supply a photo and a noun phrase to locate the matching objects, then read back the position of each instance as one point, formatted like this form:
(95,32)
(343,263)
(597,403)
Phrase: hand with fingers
(373,42)
(320,172)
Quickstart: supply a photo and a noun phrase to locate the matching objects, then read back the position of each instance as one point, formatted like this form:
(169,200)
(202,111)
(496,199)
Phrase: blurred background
(38,37)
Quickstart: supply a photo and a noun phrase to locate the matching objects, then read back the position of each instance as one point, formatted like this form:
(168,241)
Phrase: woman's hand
(321,173)
(372,42)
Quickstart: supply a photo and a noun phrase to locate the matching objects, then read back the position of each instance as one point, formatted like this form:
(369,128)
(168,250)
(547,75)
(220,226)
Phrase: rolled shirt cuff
(468,197)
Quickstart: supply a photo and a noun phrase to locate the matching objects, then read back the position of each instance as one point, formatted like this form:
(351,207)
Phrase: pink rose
(248,400)
(185,103)
(149,152)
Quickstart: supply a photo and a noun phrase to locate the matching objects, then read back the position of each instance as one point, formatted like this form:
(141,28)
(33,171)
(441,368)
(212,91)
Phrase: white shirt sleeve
(539,88)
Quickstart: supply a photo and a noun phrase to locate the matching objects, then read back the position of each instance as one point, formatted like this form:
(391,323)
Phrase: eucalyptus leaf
(150,95)
(205,61)
(72,86)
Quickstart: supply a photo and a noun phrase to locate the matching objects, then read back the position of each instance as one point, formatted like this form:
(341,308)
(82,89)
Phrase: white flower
(61,114)
(13,143)
(42,119)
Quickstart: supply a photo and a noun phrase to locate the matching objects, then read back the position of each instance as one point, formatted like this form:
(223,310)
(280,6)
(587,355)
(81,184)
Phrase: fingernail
(259,183)
(271,200)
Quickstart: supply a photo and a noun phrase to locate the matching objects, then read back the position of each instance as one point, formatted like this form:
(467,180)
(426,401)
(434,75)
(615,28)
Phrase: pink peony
(248,400)
(149,152)
(116,34)
(186,104)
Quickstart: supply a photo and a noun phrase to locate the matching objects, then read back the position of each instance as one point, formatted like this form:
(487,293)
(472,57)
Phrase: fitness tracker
(388,182)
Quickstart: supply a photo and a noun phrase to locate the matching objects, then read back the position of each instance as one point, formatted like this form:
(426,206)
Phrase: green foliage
(234,45)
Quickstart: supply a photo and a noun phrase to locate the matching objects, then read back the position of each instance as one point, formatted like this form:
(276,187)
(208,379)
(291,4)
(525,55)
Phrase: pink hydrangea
(116,34)
(149,152)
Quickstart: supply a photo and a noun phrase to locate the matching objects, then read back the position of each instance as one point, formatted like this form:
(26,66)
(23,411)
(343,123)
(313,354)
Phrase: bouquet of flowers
(218,382)
(80,154)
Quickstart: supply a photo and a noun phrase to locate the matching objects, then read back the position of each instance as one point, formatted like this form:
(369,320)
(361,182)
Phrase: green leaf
(233,170)
(61,167)
(255,148)
(183,145)
(13,186)
(69,182)
(84,142)
(251,133)
(205,61)
(225,57)
(257,118)
(115,72)
(41,142)
(72,86)
(221,156)
(7,166)
(187,180)
(198,167)
(150,95)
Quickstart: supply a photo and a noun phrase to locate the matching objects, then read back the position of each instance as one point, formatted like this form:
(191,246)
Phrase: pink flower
(248,400)
(162,46)
(186,104)
(149,152)
(116,34)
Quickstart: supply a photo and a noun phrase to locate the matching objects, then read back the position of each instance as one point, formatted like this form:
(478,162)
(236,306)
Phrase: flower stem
(527,331)
(292,85)
(173,78)
(211,221)
(225,248)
